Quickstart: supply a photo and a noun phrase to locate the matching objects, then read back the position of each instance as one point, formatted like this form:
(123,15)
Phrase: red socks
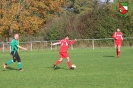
(69,64)
(118,52)
(57,62)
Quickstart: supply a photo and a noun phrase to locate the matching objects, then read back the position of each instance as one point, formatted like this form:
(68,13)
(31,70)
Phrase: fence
(81,43)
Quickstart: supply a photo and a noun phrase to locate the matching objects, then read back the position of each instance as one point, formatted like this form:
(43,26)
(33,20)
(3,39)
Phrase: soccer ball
(74,66)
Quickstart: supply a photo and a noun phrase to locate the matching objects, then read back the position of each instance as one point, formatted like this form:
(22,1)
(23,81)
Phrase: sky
(105,0)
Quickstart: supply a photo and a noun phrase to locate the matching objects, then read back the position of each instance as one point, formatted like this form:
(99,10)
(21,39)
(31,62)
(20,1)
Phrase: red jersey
(64,44)
(118,36)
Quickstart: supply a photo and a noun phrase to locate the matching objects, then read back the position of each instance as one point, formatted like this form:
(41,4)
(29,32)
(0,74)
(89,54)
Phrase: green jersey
(14,44)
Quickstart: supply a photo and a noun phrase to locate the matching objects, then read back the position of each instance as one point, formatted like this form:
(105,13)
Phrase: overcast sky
(105,0)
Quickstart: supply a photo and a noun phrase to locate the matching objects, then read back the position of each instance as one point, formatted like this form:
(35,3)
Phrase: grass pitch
(98,68)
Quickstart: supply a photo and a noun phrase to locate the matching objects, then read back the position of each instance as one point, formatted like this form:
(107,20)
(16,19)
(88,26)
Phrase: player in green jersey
(14,52)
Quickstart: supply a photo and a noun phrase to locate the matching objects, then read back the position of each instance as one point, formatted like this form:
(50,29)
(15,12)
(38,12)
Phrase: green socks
(19,65)
(9,62)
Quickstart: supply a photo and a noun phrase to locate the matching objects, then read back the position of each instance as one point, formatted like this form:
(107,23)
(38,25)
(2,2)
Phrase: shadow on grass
(108,56)
(57,68)
(9,68)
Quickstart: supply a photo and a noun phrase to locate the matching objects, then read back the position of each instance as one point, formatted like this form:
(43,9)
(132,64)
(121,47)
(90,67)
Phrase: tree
(80,6)
(26,16)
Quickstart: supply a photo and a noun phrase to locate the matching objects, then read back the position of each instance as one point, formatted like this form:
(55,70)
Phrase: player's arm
(72,42)
(56,43)
(21,47)
(114,36)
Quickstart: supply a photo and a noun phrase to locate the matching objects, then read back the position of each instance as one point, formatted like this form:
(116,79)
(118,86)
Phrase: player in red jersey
(118,38)
(64,43)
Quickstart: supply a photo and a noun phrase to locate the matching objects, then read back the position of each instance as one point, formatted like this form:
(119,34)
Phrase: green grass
(98,68)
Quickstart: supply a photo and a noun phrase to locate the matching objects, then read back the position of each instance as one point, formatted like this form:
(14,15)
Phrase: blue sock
(19,65)
(9,62)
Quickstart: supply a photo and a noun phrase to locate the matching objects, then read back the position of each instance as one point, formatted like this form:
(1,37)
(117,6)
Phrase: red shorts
(64,55)
(118,44)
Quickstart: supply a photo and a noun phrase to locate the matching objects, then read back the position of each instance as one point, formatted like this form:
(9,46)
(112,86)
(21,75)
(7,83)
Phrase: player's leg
(19,61)
(65,55)
(58,62)
(10,61)
(116,45)
(68,62)
(119,46)
(117,51)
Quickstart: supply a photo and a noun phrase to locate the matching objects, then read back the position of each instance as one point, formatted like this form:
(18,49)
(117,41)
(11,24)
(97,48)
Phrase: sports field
(98,68)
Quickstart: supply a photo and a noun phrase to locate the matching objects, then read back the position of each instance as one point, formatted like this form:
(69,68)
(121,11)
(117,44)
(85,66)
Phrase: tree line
(53,19)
